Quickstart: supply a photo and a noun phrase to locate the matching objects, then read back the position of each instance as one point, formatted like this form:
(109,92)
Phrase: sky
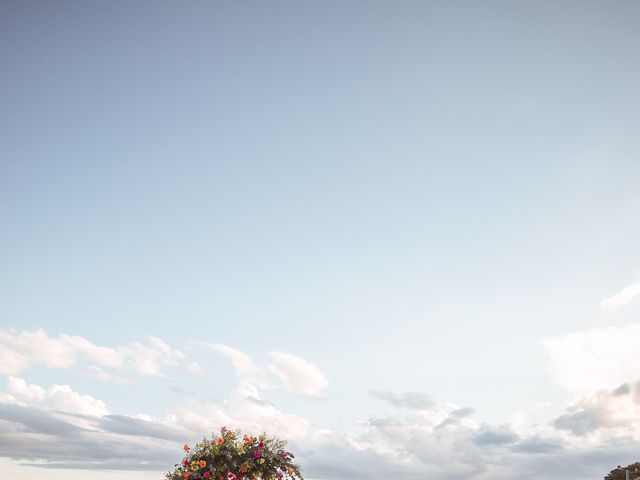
(401,235)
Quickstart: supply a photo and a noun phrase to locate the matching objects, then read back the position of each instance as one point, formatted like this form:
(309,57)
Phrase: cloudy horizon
(401,236)
(410,433)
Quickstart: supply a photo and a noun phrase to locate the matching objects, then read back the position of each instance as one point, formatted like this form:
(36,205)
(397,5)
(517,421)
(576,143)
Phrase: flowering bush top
(227,457)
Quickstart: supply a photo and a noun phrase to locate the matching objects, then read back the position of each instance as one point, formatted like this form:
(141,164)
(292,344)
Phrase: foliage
(618,473)
(227,457)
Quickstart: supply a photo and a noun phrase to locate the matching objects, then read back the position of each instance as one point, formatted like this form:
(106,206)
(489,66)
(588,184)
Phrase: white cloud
(171,354)
(617,408)
(98,373)
(623,297)
(244,407)
(298,375)
(591,360)
(144,359)
(410,400)
(244,367)
(421,439)
(19,351)
(56,397)
(250,376)
(434,441)
(64,427)
(105,356)
(34,426)
(194,368)
(437,443)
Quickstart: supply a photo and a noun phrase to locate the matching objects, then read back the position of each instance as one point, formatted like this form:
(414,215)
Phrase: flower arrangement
(227,457)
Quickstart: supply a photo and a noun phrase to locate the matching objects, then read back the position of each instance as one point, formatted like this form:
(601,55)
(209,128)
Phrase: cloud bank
(421,437)
(623,297)
(20,351)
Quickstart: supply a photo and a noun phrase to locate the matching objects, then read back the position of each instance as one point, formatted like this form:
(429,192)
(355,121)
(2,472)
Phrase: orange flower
(290,471)
(202,463)
(243,468)
(186,475)
(186,447)
(220,440)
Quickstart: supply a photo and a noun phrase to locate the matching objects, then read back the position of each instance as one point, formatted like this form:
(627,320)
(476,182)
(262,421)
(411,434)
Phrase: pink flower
(256,453)
(185,463)
(207,474)
(261,445)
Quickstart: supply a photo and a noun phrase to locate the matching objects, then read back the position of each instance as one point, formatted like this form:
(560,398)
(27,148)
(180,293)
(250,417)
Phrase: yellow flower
(261,461)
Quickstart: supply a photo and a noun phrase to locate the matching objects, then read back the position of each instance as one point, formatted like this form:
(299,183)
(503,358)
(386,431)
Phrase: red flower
(207,474)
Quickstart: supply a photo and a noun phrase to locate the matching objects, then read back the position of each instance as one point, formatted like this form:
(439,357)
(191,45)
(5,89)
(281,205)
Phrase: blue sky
(410,199)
